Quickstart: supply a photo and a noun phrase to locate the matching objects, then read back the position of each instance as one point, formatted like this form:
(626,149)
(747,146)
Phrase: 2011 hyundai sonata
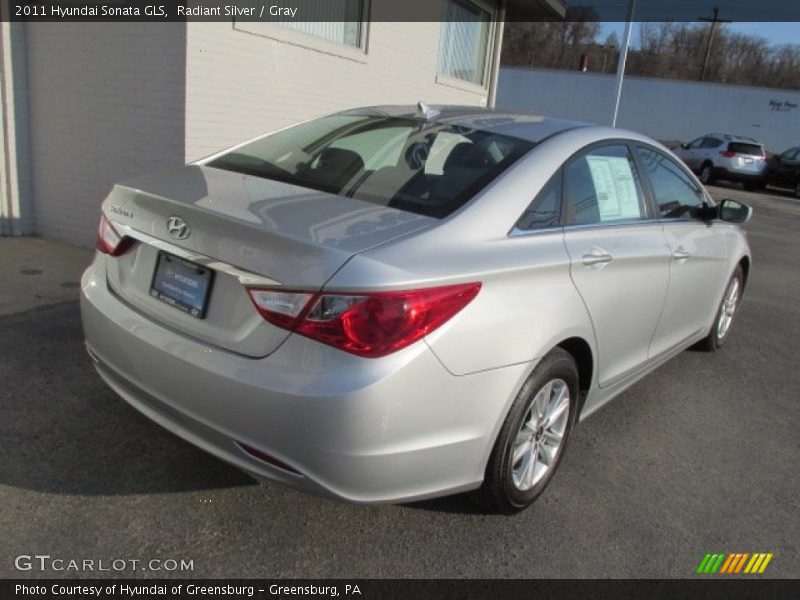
(391,303)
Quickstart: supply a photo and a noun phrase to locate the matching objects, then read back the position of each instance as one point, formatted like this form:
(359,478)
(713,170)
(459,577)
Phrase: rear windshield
(742,148)
(426,168)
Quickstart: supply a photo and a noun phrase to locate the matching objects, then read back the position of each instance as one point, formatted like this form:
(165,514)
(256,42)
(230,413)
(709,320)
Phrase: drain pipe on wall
(500,25)
(623,57)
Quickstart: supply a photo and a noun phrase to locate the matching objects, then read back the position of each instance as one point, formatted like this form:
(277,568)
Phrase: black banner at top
(397,10)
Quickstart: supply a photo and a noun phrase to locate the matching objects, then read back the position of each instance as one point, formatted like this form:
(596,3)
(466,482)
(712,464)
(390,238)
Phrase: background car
(783,170)
(385,304)
(723,156)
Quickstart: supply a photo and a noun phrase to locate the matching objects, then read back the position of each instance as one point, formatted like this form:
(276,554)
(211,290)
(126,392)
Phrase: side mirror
(685,146)
(734,211)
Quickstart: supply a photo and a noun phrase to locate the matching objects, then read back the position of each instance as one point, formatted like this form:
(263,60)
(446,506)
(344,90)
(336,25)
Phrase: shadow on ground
(70,434)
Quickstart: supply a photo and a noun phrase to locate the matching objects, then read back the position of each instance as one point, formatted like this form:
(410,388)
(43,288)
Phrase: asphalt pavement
(701,456)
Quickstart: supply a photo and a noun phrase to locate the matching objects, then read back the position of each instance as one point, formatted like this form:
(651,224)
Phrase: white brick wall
(242,83)
(106,101)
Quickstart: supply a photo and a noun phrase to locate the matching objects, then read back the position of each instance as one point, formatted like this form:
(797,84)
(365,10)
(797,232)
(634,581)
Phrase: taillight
(369,324)
(109,241)
(727,154)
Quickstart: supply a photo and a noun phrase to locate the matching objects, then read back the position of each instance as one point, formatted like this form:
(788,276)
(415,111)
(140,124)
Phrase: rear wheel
(726,314)
(533,438)
(707,173)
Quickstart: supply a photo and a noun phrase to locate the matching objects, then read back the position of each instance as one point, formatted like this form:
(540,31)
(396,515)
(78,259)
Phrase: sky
(774,33)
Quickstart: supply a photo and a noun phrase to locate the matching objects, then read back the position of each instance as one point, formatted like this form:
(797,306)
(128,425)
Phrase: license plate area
(182,284)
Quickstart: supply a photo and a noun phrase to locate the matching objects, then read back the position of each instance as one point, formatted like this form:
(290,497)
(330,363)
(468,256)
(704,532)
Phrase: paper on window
(614,187)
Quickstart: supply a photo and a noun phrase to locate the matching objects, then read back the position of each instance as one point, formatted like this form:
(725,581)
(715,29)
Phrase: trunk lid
(244,229)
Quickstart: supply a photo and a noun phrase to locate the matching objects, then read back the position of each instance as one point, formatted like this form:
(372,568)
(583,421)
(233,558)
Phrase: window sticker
(614,187)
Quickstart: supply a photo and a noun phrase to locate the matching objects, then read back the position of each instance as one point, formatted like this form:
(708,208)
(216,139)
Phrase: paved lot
(703,455)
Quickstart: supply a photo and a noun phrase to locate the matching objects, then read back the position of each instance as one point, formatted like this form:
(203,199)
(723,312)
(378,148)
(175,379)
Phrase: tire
(707,173)
(507,489)
(726,313)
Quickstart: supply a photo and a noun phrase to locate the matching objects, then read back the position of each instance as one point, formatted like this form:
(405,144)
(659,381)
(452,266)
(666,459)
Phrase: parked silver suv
(729,157)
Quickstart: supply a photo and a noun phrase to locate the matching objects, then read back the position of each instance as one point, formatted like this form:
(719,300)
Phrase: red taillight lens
(369,324)
(727,154)
(109,241)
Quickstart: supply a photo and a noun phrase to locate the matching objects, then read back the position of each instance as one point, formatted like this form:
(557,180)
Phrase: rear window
(422,167)
(743,148)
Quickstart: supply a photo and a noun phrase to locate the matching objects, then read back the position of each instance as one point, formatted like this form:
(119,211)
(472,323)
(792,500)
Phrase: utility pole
(715,20)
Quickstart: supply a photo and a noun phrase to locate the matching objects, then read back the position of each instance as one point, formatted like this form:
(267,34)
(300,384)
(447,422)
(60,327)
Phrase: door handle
(680,254)
(596,256)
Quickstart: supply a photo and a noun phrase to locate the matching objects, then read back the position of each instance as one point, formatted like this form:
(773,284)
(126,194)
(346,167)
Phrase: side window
(711,143)
(675,194)
(603,186)
(545,210)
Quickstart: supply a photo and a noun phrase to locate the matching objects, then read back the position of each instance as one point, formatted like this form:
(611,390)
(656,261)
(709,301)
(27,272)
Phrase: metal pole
(623,57)
(499,28)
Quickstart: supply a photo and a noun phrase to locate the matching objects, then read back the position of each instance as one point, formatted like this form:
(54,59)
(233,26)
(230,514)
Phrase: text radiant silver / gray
(388,304)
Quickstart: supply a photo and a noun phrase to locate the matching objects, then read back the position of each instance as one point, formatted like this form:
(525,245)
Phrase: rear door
(708,152)
(618,255)
(697,251)
(692,156)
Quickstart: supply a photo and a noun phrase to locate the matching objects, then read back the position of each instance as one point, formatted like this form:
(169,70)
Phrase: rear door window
(602,186)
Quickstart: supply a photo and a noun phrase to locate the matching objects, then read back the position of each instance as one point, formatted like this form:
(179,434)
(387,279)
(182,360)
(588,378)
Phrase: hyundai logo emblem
(178,228)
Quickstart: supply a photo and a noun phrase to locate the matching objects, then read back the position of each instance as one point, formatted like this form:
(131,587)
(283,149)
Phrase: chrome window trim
(515,233)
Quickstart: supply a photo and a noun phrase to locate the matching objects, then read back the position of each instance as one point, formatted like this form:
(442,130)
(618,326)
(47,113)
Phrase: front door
(697,252)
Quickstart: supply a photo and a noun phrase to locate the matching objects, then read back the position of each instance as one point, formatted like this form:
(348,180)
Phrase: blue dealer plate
(181,284)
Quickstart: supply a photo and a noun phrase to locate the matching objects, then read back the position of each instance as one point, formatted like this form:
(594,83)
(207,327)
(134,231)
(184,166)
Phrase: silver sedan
(394,303)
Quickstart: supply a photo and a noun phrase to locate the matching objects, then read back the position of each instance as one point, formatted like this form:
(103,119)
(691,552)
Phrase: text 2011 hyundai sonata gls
(393,303)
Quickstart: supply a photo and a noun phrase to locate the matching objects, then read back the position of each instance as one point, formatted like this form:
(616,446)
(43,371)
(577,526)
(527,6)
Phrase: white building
(86,104)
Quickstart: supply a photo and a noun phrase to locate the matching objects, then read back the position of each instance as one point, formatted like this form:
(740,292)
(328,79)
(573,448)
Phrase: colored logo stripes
(737,562)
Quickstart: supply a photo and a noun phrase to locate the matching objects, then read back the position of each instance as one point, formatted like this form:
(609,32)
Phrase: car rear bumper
(393,429)
(739,176)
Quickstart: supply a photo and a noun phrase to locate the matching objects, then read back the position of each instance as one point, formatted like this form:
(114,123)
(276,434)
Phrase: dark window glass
(697,143)
(545,210)
(711,143)
(602,186)
(676,195)
(427,168)
(749,149)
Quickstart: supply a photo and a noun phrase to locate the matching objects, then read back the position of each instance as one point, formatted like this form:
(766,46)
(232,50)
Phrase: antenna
(426,112)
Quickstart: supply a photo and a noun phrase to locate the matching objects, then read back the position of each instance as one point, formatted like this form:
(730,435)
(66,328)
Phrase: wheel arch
(744,262)
(581,352)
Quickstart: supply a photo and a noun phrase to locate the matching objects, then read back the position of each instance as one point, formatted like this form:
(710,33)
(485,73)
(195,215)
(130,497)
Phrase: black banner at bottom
(412,589)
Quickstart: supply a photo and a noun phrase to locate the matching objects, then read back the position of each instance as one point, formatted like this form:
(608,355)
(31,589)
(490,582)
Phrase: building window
(464,43)
(338,21)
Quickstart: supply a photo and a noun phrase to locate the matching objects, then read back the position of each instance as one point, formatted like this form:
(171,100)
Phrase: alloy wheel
(540,435)
(728,309)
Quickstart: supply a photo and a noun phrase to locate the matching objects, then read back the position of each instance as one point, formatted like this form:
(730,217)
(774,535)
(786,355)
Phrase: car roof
(733,138)
(528,126)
